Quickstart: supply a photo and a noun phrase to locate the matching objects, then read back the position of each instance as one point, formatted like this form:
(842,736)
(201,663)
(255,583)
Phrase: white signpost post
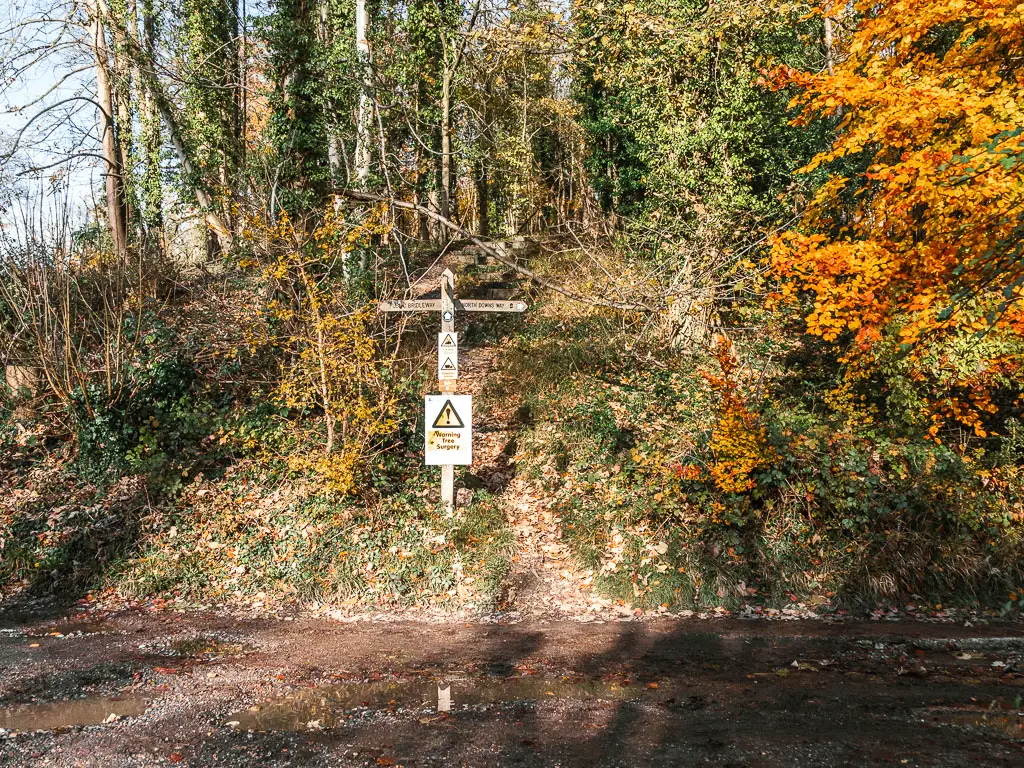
(448,425)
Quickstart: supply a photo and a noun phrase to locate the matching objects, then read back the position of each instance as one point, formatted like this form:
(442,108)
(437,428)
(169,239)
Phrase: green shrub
(152,422)
(849,508)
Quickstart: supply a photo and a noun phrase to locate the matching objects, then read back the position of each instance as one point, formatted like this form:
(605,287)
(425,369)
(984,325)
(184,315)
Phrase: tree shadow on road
(692,698)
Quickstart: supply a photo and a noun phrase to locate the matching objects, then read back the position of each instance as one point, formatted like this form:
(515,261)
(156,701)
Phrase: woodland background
(772,252)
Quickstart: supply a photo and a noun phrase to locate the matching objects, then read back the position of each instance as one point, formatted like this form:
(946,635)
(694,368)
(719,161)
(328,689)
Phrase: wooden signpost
(448,417)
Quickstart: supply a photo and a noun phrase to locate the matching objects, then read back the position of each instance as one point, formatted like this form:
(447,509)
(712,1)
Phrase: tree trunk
(422,177)
(238,96)
(423,223)
(690,315)
(483,144)
(364,113)
(483,201)
(335,158)
(243,83)
(152,194)
(445,186)
(829,41)
(124,95)
(116,219)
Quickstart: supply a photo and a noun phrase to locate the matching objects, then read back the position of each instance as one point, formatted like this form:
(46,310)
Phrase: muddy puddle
(330,705)
(1001,723)
(51,715)
(81,628)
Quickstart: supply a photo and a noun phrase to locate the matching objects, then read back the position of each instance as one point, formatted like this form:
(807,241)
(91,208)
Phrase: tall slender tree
(113,169)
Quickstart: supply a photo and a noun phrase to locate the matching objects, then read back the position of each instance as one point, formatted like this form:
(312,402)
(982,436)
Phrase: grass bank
(701,480)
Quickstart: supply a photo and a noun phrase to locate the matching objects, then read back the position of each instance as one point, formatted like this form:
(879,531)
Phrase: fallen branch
(543,282)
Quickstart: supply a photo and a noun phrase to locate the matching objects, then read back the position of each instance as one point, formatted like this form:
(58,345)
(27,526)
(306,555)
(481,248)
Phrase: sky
(46,83)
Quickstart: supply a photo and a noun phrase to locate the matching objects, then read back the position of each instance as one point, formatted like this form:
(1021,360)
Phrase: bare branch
(369,197)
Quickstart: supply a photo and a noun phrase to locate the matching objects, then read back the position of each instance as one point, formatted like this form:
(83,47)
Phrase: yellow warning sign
(449,429)
(448,418)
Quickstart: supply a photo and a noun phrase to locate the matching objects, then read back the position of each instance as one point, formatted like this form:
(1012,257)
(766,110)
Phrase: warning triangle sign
(448,365)
(448,341)
(447,418)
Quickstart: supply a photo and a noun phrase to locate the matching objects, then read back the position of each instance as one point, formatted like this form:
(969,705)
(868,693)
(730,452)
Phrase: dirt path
(545,580)
(202,690)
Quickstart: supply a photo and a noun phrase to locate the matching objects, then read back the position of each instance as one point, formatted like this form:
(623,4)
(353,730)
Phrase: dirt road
(199,690)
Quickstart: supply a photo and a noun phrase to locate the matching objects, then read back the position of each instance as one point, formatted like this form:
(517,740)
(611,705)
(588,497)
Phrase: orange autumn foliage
(739,443)
(920,253)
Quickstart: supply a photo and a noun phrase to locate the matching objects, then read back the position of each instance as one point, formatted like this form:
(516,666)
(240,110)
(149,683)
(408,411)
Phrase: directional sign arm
(410,305)
(488,305)
(460,305)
